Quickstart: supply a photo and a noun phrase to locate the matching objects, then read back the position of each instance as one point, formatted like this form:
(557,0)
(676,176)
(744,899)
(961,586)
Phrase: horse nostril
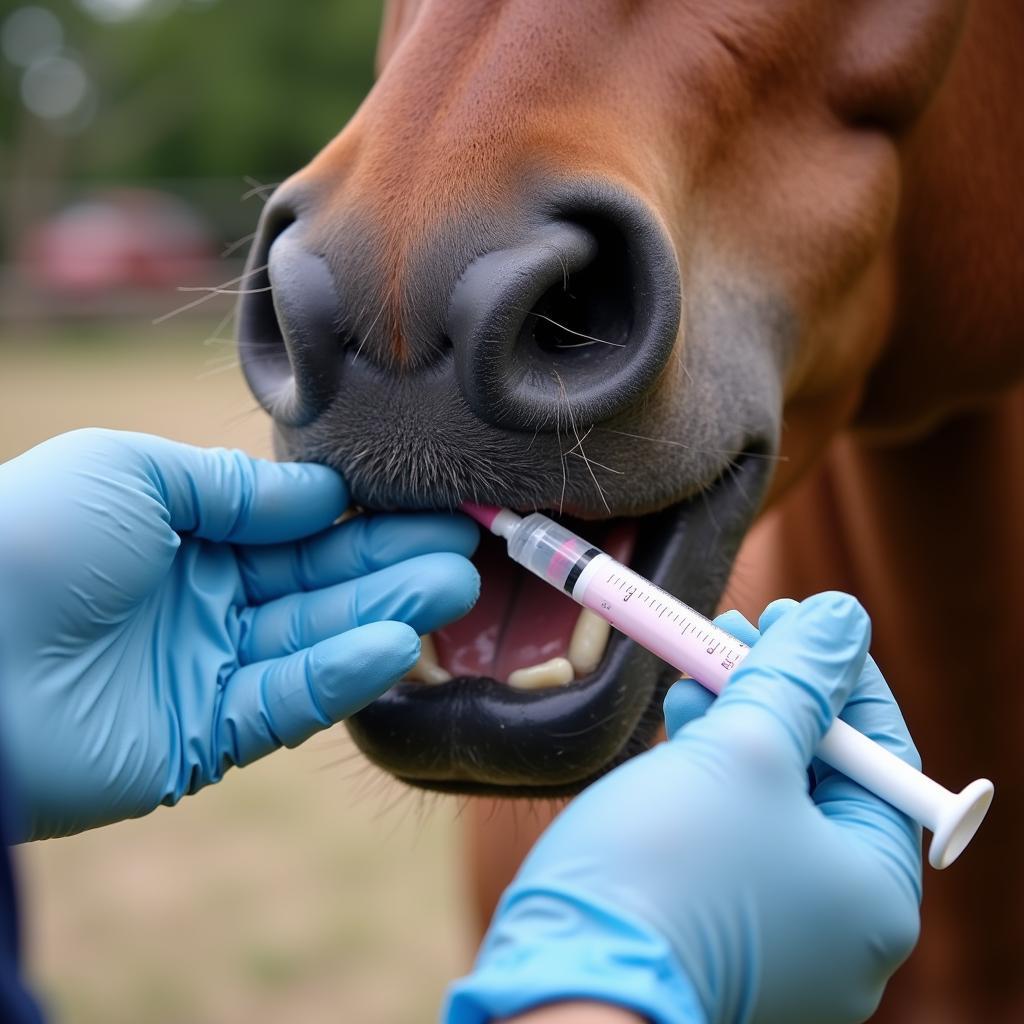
(287,316)
(578,320)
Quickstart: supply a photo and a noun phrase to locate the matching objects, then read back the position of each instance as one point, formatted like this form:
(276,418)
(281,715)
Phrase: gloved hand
(167,612)
(700,882)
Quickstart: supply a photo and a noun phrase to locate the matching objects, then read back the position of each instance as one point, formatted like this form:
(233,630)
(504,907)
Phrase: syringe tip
(498,520)
(483,514)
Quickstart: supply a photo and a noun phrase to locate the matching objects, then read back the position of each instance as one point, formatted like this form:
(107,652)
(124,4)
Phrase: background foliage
(203,88)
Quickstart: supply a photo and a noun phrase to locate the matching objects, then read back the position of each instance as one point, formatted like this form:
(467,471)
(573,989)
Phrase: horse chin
(476,733)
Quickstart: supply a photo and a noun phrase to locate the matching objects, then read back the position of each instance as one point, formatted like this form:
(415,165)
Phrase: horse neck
(957,262)
(928,536)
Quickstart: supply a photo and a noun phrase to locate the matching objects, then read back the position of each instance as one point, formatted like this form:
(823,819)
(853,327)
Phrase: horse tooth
(556,672)
(428,650)
(588,643)
(434,674)
(428,668)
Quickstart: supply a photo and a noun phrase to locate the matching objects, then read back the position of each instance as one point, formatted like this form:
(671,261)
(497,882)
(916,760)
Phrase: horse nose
(574,324)
(288,319)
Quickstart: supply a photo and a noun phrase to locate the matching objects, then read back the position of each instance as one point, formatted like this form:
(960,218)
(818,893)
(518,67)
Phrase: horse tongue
(518,621)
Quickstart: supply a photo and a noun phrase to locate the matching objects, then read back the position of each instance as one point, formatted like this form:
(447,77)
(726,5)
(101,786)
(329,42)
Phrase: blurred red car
(119,239)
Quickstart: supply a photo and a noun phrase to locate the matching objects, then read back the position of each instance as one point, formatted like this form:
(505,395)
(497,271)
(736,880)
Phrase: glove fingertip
(319,484)
(466,535)
(737,625)
(457,578)
(844,609)
(399,638)
(774,611)
(388,643)
(685,702)
(350,670)
(326,480)
(830,625)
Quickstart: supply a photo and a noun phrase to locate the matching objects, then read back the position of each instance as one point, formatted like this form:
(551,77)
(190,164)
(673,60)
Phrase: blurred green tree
(193,96)
(202,88)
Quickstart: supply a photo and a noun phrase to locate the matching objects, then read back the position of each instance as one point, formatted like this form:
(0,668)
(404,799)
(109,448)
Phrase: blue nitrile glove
(700,882)
(160,624)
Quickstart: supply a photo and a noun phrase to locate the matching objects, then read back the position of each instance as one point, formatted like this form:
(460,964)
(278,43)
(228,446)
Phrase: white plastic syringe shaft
(881,772)
(952,818)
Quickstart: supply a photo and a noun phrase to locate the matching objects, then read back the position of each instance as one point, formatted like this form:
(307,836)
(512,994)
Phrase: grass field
(308,888)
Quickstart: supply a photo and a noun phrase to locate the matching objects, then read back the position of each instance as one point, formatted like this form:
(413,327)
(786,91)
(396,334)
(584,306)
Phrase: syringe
(693,644)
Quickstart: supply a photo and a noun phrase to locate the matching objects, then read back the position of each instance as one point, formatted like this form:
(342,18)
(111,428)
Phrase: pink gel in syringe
(694,645)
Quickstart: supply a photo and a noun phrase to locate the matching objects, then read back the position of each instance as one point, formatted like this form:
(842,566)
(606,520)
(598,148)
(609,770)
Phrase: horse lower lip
(475,735)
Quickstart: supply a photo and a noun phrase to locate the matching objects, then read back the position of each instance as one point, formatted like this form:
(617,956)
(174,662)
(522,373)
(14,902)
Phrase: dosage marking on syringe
(714,647)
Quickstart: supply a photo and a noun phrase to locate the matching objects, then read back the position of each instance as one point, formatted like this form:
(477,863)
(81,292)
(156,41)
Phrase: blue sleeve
(16,1005)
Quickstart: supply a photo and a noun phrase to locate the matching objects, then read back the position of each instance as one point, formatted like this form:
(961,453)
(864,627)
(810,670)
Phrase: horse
(733,289)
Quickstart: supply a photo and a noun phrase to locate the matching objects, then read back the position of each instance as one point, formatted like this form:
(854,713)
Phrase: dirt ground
(307,888)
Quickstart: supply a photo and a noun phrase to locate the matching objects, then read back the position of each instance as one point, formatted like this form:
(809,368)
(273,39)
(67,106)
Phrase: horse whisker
(591,340)
(208,295)
(579,444)
(224,291)
(257,189)
(561,457)
(594,462)
(236,244)
(366,333)
(696,448)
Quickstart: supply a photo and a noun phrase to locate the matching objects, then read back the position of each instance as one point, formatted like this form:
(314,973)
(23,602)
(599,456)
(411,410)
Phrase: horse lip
(478,736)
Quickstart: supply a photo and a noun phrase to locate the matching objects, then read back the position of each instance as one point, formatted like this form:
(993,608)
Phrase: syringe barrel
(549,550)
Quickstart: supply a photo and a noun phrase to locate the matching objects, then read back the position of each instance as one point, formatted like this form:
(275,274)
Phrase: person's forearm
(577,1013)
